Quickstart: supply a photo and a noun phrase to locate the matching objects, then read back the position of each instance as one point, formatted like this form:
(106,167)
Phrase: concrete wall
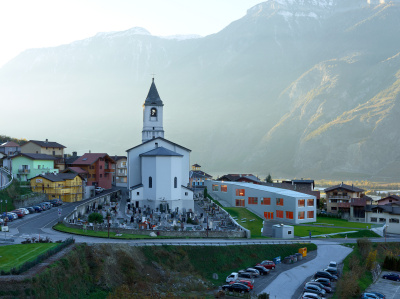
(30,201)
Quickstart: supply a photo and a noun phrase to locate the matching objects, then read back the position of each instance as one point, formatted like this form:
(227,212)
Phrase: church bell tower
(152,115)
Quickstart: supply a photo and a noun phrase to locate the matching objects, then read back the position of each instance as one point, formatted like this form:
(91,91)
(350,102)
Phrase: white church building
(158,169)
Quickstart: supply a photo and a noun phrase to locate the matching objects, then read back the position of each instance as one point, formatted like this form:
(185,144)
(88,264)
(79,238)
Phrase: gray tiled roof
(58,177)
(160,151)
(36,156)
(153,99)
(160,138)
(345,187)
(47,144)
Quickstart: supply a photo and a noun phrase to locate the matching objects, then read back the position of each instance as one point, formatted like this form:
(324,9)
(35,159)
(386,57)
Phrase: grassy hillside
(122,271)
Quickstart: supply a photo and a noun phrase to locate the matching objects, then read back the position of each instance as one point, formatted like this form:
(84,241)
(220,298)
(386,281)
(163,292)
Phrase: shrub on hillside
(95,218)
(364,246)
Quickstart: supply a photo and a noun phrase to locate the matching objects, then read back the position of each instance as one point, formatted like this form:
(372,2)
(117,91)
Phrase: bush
(364,246)
(95,218)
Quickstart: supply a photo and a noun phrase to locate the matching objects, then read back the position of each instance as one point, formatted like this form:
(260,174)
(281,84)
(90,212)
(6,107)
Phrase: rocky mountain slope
(295,88)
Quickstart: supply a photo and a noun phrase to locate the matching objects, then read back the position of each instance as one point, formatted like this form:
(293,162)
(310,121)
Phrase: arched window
(150,182)
(175,182)
(153,112)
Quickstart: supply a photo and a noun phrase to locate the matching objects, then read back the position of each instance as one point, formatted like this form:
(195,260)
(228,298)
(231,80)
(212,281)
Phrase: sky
(26,24)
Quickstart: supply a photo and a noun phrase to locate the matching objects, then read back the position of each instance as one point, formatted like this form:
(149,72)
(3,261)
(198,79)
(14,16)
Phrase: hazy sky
(28,24)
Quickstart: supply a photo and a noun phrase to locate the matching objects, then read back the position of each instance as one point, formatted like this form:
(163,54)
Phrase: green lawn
(13,256)
(340,222)
(103,234)
(254,226)
(303,231)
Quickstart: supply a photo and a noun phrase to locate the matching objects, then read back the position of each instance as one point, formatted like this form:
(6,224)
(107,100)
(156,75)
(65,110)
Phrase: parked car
(254,271)
(30,209)
(245,282)
(7,218)
(236,287)
(38,209)
(332,270)
(327,289)
(325,275)
(47,204)
(99,189)
(25,210)
(232,277)
(308,295)
(267,264)
(15,216)
(332,264)
(372,295)
(262,270)
(56,202)
(245,275)
(312,288)
(325,281)
(392,276)
(252,274)
(19,213)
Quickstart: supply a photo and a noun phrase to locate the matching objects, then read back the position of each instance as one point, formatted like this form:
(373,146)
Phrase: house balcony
(338,197)
(24,171)
(122,174)
(358,202)
(109,170)
(343,205)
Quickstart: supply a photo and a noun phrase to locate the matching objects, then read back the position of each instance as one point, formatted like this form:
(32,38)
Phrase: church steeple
(152,115)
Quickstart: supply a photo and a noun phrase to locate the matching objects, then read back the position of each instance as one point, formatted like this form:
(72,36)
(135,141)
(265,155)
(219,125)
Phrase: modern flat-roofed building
(269,203)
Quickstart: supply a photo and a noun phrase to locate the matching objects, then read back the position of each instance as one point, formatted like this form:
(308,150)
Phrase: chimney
(74,154)
(47,140)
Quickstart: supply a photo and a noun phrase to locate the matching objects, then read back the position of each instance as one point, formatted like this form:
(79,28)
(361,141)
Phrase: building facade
(269,203)
(387,214)
(197,177)
(347,200)
(158,169)
(68,187)
(27,166)
(99,168)
(120,176)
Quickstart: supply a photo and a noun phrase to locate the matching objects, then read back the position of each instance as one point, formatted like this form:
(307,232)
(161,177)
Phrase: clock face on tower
(153,112)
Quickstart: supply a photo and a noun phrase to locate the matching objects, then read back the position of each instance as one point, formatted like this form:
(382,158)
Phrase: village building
(158,169)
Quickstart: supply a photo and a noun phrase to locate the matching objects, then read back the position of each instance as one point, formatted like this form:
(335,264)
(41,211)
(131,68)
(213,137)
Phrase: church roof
(153,98)
(160,151)
(160,138)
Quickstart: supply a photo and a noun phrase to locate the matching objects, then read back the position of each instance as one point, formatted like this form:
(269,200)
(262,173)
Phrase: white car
(26,212)
(99,189)
(307,295)
(15,216)
(333,264)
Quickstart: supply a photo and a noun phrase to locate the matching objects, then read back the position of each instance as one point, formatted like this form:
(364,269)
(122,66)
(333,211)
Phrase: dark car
(312,288)
(332,270)
(37,209)
(252,274)
(392,276)
(245,282)
(245,275)
(372,295)
(267,264)
(325,281)
(324,287)
(236,287)
(262,270)
(325,274)
(56,202)
(7,218)
(30,209)
(254,271)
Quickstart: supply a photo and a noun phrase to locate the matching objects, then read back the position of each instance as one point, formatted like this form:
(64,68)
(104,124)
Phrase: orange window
(269,215)
(224,188)
(310,202)
(240,192)
(279,214)
(240,202)
(214,187)
(266,201)
(253,200)
(279,202)
(289,215)
(301,203)
(301,215)
(310,214)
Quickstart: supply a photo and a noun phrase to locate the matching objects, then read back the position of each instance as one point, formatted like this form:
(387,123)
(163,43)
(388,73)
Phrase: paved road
(3,179)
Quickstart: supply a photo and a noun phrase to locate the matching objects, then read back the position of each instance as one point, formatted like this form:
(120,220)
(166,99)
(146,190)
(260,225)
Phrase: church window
(137,193)
(175,182)
(150,182)
(153,112)
(186,193)
(153,128)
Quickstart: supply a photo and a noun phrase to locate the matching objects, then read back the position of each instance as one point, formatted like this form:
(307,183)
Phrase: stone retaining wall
(30,201)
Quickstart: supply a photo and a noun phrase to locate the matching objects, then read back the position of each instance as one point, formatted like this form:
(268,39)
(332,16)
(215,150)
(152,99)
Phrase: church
(158,169)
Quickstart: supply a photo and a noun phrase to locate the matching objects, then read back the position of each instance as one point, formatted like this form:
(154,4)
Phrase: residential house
(246,178)
(197,177)
(69,187)
(388,200)
(120,175)
(347,200)
(270,203)
(388,214)
(7,150)
(26,165)
(99,168)
(46,147)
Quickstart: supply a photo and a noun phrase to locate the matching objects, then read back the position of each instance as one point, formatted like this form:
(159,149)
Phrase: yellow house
(65,186)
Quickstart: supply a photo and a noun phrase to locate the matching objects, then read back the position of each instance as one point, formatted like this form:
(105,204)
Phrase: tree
(95,218)
(371,259)
(269,178)
(205,193)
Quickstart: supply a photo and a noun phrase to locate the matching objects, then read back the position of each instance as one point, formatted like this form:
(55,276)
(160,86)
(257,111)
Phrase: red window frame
(279,214)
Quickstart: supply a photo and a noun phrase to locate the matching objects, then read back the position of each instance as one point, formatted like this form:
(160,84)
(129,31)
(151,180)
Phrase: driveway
(286,284)
(389,288)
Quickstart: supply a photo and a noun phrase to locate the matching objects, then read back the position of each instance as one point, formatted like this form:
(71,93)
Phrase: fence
(8,173)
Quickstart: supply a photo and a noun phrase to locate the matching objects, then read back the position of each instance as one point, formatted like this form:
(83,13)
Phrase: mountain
(295,88)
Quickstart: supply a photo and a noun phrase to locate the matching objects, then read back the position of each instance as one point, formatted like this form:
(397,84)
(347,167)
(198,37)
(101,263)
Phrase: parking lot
(390,288)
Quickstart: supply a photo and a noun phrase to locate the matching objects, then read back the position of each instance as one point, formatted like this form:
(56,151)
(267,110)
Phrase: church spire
(153,98)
